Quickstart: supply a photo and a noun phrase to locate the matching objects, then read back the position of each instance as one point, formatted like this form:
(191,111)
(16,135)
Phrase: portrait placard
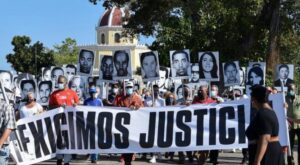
(106,68)
(45,89)
(180,64)
(209,66)
(256,72)
(231,73)
(86,60)
(149,66)
(122,65)
(284,75)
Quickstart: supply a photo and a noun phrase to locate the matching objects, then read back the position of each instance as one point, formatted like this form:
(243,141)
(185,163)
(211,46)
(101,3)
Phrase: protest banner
(118,130)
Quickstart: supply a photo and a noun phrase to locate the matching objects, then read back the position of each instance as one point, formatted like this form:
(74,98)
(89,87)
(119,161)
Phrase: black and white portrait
(70,71)
(86,62)
(231,73)
(122,65)
(6,78)
(27,86)
(106,68)
(256,73)
(78,84)
(164,74)
(179,90)
(284,74)
(209,66)
(149,66)
(46,73)
(55,73)
(180,64)
(44,91)
(194,73)
(242,76)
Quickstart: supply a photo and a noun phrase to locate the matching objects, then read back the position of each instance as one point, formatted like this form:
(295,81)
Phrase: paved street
(225,158)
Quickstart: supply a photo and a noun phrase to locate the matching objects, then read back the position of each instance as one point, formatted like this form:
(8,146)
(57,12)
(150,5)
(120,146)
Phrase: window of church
(117,38)
(102,38)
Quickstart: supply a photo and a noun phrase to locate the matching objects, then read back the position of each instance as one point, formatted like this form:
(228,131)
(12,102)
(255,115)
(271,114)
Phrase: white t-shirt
(28,112)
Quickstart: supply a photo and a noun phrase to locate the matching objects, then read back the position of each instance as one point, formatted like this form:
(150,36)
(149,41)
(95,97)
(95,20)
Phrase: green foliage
(66,52)
(29,58)
(243,30)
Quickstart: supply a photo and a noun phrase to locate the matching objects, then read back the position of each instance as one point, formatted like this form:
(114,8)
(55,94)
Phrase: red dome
(112,17)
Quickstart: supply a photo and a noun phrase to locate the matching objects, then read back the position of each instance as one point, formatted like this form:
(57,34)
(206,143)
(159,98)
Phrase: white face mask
(213,93)
(61,86)
(115,90)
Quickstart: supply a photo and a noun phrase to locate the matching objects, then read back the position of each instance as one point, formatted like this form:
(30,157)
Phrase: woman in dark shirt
(262,133)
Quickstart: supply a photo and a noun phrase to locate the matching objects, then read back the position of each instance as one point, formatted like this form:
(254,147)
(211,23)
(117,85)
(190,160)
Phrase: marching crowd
(263,139)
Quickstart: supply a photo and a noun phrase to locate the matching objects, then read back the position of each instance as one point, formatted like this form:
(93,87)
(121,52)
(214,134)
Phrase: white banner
(118,130)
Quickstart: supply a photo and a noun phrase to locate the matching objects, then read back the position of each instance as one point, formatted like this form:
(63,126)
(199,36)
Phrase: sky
(48,21)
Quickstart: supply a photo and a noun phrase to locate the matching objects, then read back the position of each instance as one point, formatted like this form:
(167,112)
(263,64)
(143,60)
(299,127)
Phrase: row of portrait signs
(119,67)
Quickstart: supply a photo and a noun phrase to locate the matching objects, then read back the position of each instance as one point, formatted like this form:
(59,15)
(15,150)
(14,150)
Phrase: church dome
(112,17)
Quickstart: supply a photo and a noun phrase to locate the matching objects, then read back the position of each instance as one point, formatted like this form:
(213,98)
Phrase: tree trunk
(273,56)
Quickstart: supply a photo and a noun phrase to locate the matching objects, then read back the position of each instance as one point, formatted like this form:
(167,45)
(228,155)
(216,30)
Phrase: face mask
(129,91)
(213,93)
(115,90)
(291,93)
(61,86)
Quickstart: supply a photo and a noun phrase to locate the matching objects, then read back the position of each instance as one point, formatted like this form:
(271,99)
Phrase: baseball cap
(129,84)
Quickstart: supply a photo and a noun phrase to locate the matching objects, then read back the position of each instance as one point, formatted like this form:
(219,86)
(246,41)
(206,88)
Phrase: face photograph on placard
(194,73)
(86,62)
(256,73)
(181,90)
(46,74)
(106,68)
(77,84)
(209,66)
(180,64)
(44,91)
(27,86)
(163,77)
(284,74)
(242,76)
(231,73)
(6,78)
(122,65)
(70,71)
(149,66)
(55,73)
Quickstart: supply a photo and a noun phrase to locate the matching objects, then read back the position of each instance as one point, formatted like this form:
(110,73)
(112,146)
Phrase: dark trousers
(293,133)
(127,158)
(213,155)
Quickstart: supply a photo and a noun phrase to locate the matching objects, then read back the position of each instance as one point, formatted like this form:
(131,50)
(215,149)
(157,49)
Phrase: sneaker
(152,160)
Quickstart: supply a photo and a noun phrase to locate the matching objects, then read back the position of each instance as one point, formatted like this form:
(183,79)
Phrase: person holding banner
(262,132)
(31,107)
(202,98)
(62,97)
(93,101)
(7,125)
(134,102)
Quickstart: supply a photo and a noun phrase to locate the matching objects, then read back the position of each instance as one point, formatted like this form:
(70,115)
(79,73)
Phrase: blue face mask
(129,91)
(61,86)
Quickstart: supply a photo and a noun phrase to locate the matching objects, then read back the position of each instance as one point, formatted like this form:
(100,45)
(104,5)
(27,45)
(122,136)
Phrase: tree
(247,30)
(66,53)
(29,58)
